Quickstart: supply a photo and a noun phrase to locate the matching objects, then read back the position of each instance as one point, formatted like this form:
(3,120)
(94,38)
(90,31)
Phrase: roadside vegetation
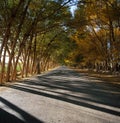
(106,77)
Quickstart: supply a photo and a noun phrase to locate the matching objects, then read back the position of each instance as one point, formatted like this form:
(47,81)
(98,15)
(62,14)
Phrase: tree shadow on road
(69,86)
(6,117)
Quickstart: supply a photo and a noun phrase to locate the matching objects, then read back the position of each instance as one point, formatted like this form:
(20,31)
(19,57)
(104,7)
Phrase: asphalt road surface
(60,96)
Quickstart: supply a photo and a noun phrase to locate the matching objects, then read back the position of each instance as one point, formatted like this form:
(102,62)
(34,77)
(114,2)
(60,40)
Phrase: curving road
(60,96)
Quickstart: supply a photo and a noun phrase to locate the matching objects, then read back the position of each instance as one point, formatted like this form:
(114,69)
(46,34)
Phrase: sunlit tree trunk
(28,55)
(15,42)
(33,69)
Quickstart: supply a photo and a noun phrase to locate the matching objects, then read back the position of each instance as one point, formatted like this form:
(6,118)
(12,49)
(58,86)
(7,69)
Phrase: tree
(23,25)
(98,32)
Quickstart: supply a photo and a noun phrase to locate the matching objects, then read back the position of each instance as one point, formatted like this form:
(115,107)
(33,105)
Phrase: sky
(72,9)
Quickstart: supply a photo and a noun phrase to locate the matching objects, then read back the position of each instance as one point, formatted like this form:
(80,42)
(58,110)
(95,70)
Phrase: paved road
(60,96)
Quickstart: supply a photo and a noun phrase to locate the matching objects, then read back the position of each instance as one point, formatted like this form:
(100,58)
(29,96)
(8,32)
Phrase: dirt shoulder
(106,77)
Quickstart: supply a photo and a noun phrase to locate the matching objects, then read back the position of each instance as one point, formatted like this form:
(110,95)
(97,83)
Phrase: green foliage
(43,32)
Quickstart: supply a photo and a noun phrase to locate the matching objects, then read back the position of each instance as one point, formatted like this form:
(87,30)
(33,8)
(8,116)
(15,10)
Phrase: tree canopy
(36,35)
(97,31)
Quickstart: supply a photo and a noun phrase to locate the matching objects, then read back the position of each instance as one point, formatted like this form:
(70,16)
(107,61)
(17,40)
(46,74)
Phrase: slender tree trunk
(3,67)
(14,43)
(28,55)
(8,28)
(22,44)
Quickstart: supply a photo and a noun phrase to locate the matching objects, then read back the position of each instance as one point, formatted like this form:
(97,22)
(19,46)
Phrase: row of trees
(97,33)
(33,36)
(36,35)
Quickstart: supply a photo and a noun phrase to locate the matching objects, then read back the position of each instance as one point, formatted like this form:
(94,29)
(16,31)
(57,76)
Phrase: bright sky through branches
(73,6)
(72,9)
